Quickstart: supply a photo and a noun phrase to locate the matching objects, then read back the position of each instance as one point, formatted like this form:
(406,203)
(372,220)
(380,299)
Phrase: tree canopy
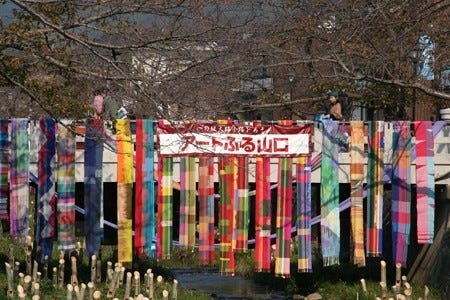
(197,59)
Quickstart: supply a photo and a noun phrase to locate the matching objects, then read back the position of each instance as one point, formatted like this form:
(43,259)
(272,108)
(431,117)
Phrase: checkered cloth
(304,213)
(187,201)
(206,211)
(242,206)
(165,208)
(4,169)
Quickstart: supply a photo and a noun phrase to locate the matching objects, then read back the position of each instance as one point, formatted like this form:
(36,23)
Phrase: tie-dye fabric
(187,201)
(304,213)
(165,208)
(242,206)
(19,196)
(356,185)
(65,172)
(401,191)
(329,195)
(206,211)
(425,181)
(4,169)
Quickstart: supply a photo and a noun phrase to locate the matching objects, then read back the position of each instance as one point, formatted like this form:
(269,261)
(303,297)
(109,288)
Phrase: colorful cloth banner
(144,216)
(263,215)
(356,187)
(187,201)
(226,224)
(124,191)
(425,181)
(4,169)
(206,230)
(304,213)
(401,191)
(284,218)
(375,173)
(19,177)
(242,206)
(165,208)
(329,195)
(65,172)
(93,185)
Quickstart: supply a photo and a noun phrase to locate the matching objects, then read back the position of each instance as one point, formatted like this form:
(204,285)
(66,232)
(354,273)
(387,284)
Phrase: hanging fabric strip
(124,191)
(165,207)
(304,213)
(375,189)
(284,218)
(425,181)
(401,191)
(19,172)
(65,172)
(356,187)
(242,205)
(139,214)
(93,185)
(226,185)
(4,169)
(329,195)
(187,201)
(206,211)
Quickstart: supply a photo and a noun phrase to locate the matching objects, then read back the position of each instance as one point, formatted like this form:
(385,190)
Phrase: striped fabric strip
(206,211)
(93,185)
(425,181)
(242,206)
(226,186)
(4,169)
(165,208)
(375,173)
(284,218)
(19,197)
(65,172)
(304,213)
(124,191)
(329,195)
(263,214)
(401,191)
(139,239)
(356,186)
(187,201)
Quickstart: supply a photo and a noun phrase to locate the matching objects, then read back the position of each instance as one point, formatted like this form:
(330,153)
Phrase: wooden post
(74,276)
(383,271)
(97,295)
(35,297)
(93,268)
(36,288)
(398,274)
(426,293)
(159,280)
(28,252)
(98,271)
(136,283)
(165,295)
(82,292)
(69,295)
(26,283)
(113,284)
(363,285)
(45,267)
(121,275)
(20,293)
(16,267)
(55,276)
(128,285)
(9,276)
(90,286)
(150,286)
(35,269)
(38,276)
(11,256)
(61,272)
(408,294)
(383,290)
(174,289)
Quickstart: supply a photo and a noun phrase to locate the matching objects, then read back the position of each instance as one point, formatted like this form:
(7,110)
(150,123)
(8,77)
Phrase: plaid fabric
(242,206)
(144,216)
(124,191)
(375,167)
(284,218)
(165,208)
(263,213)
(4,169)
(65,172)
(425,181)
(187,201)
(401,191)
(329,195)
(206,211)
(226,186)
(356,185)
(19,172)
(93,185)
(304,213)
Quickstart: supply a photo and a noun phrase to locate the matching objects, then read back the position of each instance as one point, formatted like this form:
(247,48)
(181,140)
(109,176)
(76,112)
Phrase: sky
(6,12)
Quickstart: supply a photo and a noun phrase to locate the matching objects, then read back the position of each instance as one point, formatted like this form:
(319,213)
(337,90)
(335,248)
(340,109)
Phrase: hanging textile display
(65,173)
(187,201)
(425,181)
(284,218)
(304,213)
(356,187)
(242,205)
(93,185)
(144,216)
(329,195)
(206,228)
(375,173)
(4,169)
(263,214)
(401,191)
(19,191)
(165,208)
(124,191)
(226,186)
